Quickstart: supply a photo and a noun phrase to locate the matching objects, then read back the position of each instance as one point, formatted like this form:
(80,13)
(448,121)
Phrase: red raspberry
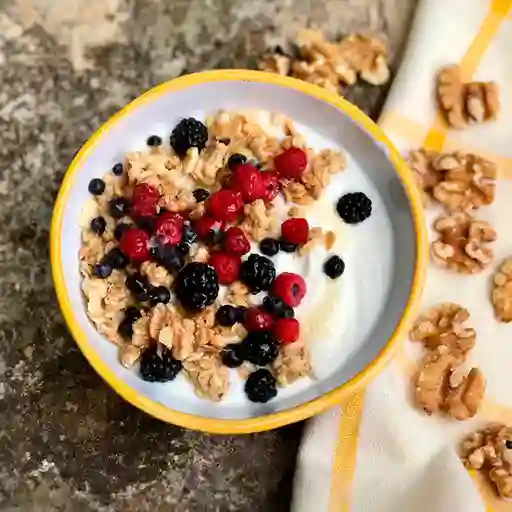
(225,205)
(286,330)
(248,180)
(135,244)
(295,231)
(227,266)
(257,320)
(236,242)
(169,228)
(145,200)
(205,226)
(270,184)
(290,288)
(291,163)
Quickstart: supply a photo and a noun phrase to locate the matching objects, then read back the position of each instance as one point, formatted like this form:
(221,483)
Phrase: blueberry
(240,314)
(334,267)
(200,194)
(286,246)
(159,294)
(125,328)
(168,256)
(116,258)
(96,186)
(154,140)
(132,313)
(276,307)
(189,236)
(260,386)
(236,159)
(269,246)
(117,169)
(98,225)
(103,269)
(226,316)
(232,355)
(184,248)
(119,207)
(138,286)
(119,230)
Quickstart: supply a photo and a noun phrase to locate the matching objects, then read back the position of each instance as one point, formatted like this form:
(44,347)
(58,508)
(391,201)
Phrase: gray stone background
(67,442)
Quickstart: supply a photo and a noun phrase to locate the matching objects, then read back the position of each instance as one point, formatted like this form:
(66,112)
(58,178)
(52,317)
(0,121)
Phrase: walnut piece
(259,223)
(292,363)
(502,292)
(276,62)
(156,274)
(463,243)
(238,294)
(208,375)
(465,104)
(462,402)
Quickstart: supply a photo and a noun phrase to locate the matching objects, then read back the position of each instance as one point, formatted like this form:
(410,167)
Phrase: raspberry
(286,330)
(227,266)
(295,231)
(145,200)
(236,242)
(225,205)
(354,207)
(257,320)
(289,287)
(135,244)
(189,133)
(248,180)
(291,163)
(270,184)
(169,228)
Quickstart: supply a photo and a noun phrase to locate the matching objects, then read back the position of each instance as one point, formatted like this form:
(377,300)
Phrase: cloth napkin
(376,452)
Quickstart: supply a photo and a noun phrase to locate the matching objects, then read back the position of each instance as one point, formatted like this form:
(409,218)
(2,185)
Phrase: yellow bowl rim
(303,410)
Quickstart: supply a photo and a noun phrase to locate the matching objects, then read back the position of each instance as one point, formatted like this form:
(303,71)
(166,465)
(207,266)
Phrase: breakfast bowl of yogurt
(235,250)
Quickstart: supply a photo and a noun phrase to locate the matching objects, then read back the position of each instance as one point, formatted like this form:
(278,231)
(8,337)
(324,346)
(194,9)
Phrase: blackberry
(189,133)
(286,246)
(226,316)
(261,348)
(119,230)
(125,329)
(119,207)
(96,186)
(138,286)
(169,256)
(334,267)
(240,314)
(232,355)
(258,273)
(196,286)
(103,269)
(159,365)
(269,246)
(276,307)
(200,194)
(117,169)
(189,236)
(116,258)
(154,140)
(354,207)
(98,225)
(236,159)
(260,386)
(159,294)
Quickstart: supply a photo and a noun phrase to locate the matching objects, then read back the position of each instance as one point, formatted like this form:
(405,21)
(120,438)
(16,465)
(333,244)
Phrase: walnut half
(502,292)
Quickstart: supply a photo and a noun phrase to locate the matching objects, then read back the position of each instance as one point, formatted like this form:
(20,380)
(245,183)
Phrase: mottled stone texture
(67,442)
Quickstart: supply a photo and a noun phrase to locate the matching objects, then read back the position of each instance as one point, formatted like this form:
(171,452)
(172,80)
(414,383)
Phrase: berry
(287,246)
(269,246)
(132,313)
(183,247)
(224,141)
(103,269)
(96,186)
(276,307)
(145,200)
(116,258)
(207,227)
(260,386)
(240,314)
(247,180)
(261,348)
(159,294)
(125,328)
(158,365)
(189,133)
(119,207)
(334,267)
(270,185)
(227,316)
(257,320)
(200,194)
(117,169)
(258,273)
(235,160)
(197,286)
(236,242)
(291,163)
(154,140)
(169,256)
(138,286)
(225,205)
(289,287)
(354,207)
(286,330)
(135,244)
(119,230)
(147,224)
(169,228)
(295,231)
(227,266)
(232,355)
(189,236)
(98,225)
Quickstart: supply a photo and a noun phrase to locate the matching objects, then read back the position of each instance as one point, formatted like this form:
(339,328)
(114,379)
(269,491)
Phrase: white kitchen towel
(376,452)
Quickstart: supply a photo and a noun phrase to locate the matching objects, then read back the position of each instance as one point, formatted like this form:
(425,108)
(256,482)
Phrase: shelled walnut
(463,245)
(502,292)
(466,103)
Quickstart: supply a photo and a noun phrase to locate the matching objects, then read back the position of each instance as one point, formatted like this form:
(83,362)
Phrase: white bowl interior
(379,253)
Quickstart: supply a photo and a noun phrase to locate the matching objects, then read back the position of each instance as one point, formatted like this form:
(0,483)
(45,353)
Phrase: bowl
(385,255)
